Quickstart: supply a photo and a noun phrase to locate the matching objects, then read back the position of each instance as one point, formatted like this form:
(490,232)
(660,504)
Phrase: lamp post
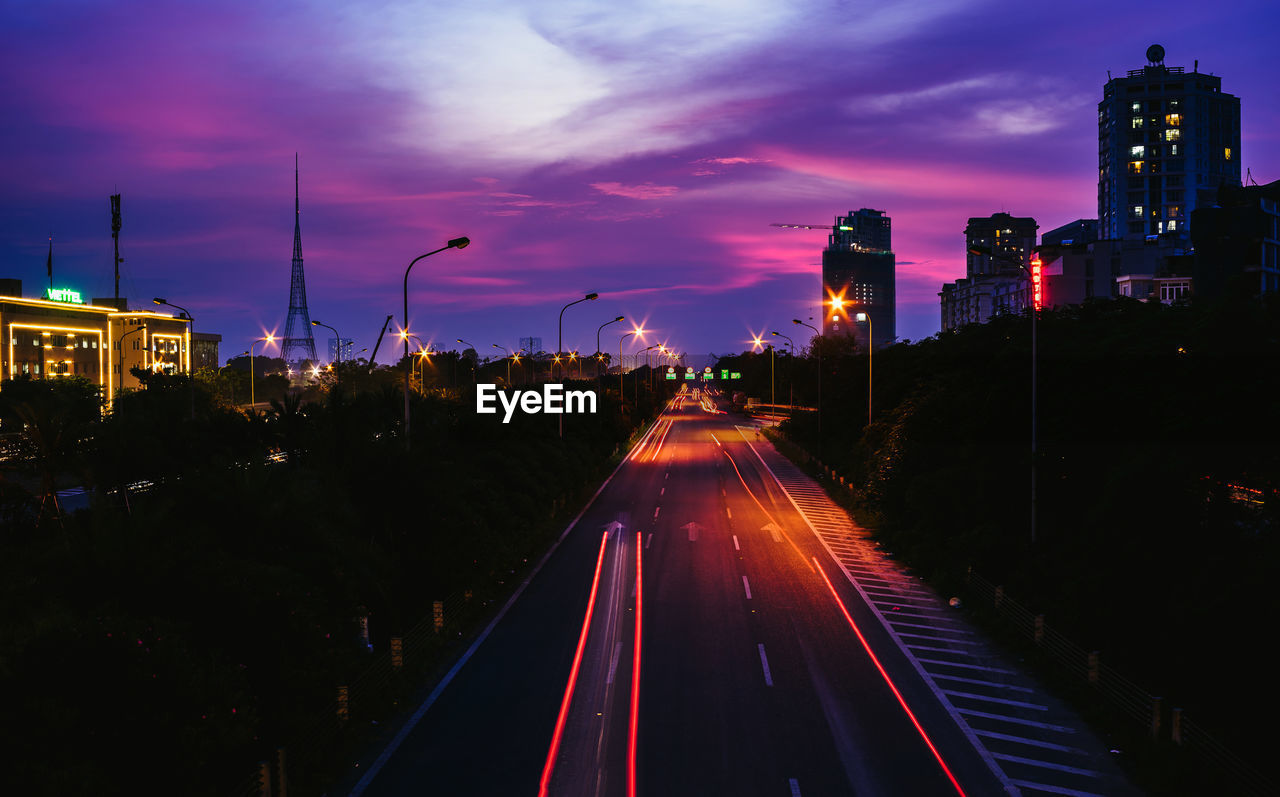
(1033,304)
(622,396)
(455,243)
(790,373)
(602,326)
(560,339)
(818,335)
(142,328)
(191,376)
(253,399)
(477,360)
(336,336)
(508,353)
(220,368)
(861,317)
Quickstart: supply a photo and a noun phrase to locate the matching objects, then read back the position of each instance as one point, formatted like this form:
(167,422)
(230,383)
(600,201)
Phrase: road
(760,665)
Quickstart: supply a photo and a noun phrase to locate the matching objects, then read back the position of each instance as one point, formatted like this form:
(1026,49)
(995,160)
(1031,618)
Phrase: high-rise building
(858,276)
(1167,139)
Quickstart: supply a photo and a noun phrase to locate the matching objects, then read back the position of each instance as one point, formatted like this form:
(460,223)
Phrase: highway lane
(752,679)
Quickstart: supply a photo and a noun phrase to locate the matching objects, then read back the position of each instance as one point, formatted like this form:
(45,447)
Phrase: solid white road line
(764,663)
(1000,700)
(1005,737)
(1044,726)
(1031,762)
(746,585)
(1026,784)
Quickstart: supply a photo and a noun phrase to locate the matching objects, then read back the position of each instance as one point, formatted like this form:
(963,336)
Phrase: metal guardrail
(1235,775)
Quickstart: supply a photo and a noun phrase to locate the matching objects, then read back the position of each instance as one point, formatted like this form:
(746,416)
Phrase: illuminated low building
(63,335)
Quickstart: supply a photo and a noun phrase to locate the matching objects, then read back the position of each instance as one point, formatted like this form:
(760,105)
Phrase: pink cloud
(642,191)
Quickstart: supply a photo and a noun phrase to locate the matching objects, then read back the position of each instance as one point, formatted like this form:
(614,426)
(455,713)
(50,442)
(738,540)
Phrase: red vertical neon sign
(1037,284)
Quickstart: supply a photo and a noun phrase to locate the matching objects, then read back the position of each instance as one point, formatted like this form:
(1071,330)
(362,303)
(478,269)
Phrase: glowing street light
(269,339)
(455,243)
(336,336)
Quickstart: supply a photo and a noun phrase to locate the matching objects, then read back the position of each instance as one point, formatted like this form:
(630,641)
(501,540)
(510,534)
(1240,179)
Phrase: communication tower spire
(298,343)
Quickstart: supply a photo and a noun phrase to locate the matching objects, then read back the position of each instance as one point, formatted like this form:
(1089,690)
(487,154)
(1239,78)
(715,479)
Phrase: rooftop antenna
(115,237)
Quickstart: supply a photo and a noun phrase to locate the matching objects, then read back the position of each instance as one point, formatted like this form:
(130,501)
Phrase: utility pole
(115,237)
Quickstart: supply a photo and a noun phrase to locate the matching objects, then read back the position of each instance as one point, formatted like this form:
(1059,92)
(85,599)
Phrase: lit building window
(1172,225)
(1173,119)
(1172,135)
(1173,149)
(1226,153)
(1135,167)
(1137,107)
(1137,152)
(1136,211)
(1137,122)
(1173,211)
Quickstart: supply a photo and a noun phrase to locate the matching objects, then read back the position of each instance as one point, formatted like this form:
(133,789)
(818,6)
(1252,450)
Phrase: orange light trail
(547,768)
(892,687)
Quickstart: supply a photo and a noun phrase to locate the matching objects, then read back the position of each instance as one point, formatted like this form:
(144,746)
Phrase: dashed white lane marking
(764,663)
(656,510)
(746,585)
(795,787)
(648,540)
(663,491)
(728,512)
(736,547)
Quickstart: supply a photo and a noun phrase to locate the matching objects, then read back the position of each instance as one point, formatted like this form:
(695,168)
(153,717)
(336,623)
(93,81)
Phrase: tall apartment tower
(858,277)
(1167,139)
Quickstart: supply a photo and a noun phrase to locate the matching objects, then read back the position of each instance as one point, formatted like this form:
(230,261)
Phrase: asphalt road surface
(760,667)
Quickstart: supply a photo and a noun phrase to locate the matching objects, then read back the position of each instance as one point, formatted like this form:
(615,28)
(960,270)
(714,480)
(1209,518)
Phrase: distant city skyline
(638,152)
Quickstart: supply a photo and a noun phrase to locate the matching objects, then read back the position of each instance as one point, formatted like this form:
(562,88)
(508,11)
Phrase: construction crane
(812,226)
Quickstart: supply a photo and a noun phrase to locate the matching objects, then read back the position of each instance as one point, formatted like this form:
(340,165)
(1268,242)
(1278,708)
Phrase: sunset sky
(639,149)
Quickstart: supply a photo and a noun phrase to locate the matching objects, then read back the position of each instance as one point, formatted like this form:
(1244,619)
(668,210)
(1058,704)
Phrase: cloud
(642,191)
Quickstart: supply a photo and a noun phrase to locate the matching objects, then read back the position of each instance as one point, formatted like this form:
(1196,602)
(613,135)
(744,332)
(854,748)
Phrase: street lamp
(336,336)
(1033,304)
(590,297)
(253,399)
(477,360)
(817,335)
(142,328)
(602,326)
(861,317)
(508,353)
(621,394)
(220,368)
(790,373)
(455,243)
(191,377)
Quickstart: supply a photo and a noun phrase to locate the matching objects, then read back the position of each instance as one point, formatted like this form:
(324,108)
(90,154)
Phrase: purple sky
(637,149)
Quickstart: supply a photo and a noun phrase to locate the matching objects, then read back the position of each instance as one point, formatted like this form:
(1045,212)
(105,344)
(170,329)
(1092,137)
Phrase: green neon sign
(63,295)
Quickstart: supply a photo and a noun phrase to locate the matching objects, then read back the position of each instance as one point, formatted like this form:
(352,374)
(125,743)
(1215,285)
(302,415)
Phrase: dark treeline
(204,608)
(1150,420)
